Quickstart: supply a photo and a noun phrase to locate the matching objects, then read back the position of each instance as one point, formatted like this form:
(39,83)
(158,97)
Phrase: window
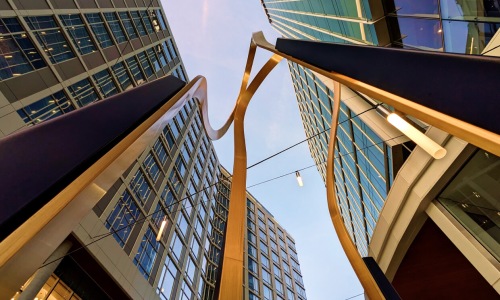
(268,294)
(159,15)
(289,294)
(263,248)
(275,258)
(166,52)
(122,76)
(252,266)
(266,276)
(154,59)
(133,66)
(251,237)
(17,53)
(262,224)
(277,271)
(146,66)
(167,279)
(116,28)
(261,215)
(183,225)
(176,247)
(190,270)
(147,252)
(262,235)
(46,108)
(270,223)
(51,39)
(168,198)
(264,260)
(171,48)
(250,225)
(253,283)
(286,267)
(279,286)
(105,83)
(141,188)
(252,251)
(123,217)
(151,167)
(288,281)
(136,17)
(129,26)
(83,92)
(160,151)
(100,31)
(78,32)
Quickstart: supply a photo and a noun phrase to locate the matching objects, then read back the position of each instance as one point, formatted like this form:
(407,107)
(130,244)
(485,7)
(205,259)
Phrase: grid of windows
(74,25)
(50,38)
(17,53)
(101,33)
(46,108)
(270,257)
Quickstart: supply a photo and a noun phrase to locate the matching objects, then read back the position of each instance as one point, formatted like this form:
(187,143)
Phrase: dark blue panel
(461,86)
(39,162)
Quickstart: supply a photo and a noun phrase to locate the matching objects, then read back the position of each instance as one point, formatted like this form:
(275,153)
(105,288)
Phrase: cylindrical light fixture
(431,147)
(162,227)
(299,178)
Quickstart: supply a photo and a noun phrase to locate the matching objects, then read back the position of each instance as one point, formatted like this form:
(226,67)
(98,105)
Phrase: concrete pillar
(43,274)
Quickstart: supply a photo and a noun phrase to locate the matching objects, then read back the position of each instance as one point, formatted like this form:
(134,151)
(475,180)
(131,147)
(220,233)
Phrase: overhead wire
(145,218)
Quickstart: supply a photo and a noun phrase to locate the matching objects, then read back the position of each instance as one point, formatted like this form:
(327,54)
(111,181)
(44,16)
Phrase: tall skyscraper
(74,53)
(378,171)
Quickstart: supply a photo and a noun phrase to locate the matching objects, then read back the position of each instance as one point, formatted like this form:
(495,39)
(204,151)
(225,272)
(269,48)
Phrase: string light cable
(146,217)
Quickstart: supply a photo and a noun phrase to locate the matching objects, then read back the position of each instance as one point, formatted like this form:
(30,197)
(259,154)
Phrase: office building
(271,261)
(391,202)
(75,53)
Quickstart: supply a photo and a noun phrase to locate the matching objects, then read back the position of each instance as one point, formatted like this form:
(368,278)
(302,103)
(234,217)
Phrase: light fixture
(429,146)
(299,178)
(162,227)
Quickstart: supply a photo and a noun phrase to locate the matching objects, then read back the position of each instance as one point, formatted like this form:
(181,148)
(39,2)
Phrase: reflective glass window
(140,186)
(160,151)
(171,48)
(159,15)
(472,198)
(167,279)
(147,252)
(176,247)
(129,26)
(78,32)
(252,266)
(99,29)
(470,10)
(151,167)
(421,33)
(17,53)
(264,261)
(468,37)
(122,76)
(421,7)
(83,92)
(46,108)
(133,67)
(268,294)
(136,17)
(116,27)
(105,83)
(154,59)
(253,283)
(266,276)
(251,237)
(123,217)
(146,65)
(49,35)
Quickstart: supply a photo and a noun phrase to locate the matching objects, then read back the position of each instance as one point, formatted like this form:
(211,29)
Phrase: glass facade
(364,163)
(272,264)
(472,198)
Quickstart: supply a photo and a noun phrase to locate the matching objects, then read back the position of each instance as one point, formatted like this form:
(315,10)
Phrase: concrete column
(43,274)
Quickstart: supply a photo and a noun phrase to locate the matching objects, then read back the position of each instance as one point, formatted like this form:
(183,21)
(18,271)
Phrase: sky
(213,38)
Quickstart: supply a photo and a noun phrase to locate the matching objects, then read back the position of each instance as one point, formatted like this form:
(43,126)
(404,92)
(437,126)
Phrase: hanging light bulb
(299,178)
(162,227)
(429,146)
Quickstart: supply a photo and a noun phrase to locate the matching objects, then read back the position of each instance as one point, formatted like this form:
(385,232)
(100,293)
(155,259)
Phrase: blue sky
(213,38)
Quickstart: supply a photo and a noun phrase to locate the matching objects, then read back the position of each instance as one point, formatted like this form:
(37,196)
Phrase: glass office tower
(369,152)
(74,53)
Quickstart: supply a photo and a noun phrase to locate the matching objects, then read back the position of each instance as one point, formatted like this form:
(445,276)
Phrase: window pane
(135,70)
(100,31)
(105,83)
(129,26)
(83,92)
(46,108)
(78,33)
(122,75)
(51,39)
(116,27)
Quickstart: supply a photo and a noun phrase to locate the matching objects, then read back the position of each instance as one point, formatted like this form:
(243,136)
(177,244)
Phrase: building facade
(378,171)
(74,53)
(271,261)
